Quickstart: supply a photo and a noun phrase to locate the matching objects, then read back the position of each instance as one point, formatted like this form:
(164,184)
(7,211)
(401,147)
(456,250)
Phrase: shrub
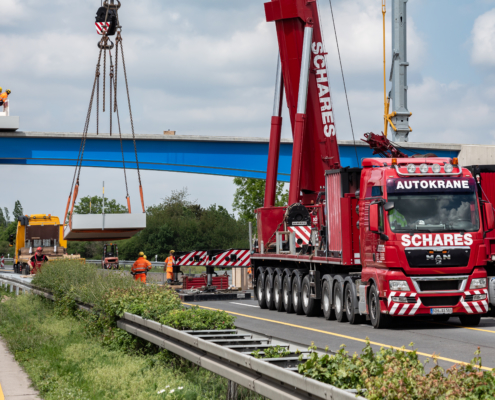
(195,318)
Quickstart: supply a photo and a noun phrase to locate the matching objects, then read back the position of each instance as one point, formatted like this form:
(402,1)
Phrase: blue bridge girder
(214,155)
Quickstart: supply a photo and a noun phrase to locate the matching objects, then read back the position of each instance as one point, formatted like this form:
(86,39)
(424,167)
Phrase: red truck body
(397,237)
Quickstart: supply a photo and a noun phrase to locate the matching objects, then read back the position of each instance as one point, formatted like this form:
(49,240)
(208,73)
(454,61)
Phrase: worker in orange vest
(169,266)
(4,96)
(140,268)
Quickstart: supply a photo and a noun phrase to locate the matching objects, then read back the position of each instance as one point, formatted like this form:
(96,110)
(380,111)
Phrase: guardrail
(224,356)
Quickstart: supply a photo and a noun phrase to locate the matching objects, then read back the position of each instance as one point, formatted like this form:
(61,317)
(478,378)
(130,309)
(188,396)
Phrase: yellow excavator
(38,230)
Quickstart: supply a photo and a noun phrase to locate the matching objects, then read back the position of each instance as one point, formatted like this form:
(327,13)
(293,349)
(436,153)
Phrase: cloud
(483,39)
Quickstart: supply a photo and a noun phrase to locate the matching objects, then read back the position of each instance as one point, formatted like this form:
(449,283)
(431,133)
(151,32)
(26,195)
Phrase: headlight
(436,168)
(400,299)
(479,283)
(477,297)
(448,168)
(423,168)
(399,285)
(411,168)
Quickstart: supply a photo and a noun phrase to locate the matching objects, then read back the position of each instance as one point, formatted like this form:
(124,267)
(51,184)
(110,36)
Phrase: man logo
(438,259)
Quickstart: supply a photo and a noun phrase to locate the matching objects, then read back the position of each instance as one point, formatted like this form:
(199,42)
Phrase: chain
(111,85)
(130,111)
(105,39)
(97,99)
(117,40)
(122,149)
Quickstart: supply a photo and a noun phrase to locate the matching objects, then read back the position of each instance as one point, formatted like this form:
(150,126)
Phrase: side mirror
(489,217)
(389,206)
(374,218)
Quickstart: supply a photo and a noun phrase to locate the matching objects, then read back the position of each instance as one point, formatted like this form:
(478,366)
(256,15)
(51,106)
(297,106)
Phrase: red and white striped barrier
(302,232)
(232,258)
(190,258)
(2,263)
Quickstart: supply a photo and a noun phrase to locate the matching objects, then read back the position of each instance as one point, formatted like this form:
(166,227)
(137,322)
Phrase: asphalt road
(450,342)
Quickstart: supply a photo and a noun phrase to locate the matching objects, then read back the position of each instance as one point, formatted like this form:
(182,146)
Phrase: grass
(63,362)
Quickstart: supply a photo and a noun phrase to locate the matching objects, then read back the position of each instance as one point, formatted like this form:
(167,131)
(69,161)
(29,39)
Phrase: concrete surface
(14,382)
(451,342)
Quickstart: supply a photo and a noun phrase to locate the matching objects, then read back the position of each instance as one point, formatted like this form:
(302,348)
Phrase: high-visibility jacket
(37,262)
(3,97)
(169,266)
(140,266)
(250,270)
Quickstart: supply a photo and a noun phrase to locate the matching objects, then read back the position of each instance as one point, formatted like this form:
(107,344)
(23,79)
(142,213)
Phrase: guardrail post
(11,288)
(231,390)
(17,290)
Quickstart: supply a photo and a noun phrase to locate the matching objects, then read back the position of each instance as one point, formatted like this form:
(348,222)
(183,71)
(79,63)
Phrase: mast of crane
(399,117)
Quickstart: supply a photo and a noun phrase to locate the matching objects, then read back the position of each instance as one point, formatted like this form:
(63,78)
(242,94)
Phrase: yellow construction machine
(39,230)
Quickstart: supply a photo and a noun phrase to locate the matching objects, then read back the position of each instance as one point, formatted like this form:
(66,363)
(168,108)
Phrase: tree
(7,216)
(18,212)
(3,221)
(250,195)
(96,202)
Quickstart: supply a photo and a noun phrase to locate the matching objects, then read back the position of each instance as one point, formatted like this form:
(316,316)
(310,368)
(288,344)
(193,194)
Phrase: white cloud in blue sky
(207,68)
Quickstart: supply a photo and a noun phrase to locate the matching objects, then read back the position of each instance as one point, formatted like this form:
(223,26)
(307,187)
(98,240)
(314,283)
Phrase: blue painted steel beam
(237,157)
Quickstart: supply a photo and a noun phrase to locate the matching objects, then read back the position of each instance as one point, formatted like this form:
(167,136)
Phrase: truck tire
(350,306)
(270,301)
(277,293)
(470,320)
(14,267)
(26,270)
(310,306)
(378,320)
(260,290)
(287,294)
(296,295)
(338,302)
(326,299)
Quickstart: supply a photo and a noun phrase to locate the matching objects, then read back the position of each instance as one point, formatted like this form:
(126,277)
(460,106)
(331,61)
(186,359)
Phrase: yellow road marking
(460,326)
(341,336)
(1,394)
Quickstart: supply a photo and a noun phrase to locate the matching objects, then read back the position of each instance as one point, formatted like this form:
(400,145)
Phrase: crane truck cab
(422,229)
(38,230)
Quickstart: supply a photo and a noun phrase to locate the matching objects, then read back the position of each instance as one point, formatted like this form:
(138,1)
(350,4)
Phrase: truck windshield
(424,208)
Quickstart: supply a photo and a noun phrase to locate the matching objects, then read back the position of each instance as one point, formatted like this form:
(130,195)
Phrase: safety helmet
(172,251)
(1,89)
(145,257)
(39,249)
(141,254)
(8,91)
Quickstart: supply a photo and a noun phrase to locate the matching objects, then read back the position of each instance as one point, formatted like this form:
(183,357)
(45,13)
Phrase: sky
(208,68)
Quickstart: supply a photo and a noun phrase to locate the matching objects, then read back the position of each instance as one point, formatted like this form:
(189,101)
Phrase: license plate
(241,295)
(436,311)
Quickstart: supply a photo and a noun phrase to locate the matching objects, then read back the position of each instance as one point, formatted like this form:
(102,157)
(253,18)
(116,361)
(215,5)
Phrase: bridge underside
(227,156)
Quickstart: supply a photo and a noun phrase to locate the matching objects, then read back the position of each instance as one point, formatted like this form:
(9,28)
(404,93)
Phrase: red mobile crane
(397,237)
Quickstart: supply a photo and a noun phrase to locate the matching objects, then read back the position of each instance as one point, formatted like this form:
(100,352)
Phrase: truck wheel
(14,266)
(26,270)
(277,293)
(338,301)
(260,288)
(310,306)
(470,320)
(378,320)
(350,306)
(328,310)
(287,295)
(270,301)
(296,296)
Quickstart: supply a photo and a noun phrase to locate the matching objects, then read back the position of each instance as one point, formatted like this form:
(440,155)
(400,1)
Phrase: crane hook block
(106,21)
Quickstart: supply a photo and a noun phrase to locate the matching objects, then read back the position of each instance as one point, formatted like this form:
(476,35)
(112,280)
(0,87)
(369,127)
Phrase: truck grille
(439,285)
(440,301)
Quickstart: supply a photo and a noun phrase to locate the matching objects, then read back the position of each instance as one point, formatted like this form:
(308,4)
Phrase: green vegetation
(8,227)
(399,374)
(272,352)
(94,205)
(250,195)
(65,361)
(176,224)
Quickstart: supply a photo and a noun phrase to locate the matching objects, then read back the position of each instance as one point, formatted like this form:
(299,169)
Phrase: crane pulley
(107,24)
